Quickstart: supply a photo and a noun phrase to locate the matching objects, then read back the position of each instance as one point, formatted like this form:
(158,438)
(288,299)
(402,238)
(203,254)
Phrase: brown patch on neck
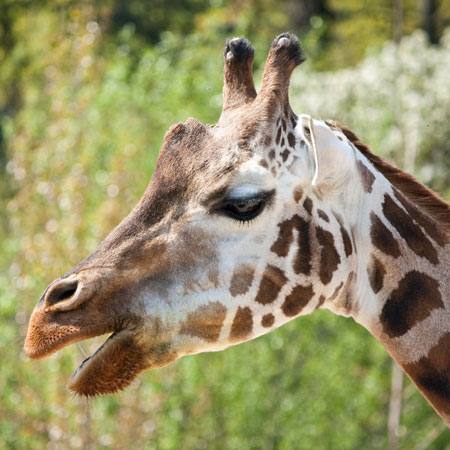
(267,320)
(367,177)
(291,140)
(298,194)
(205,322)
(408,230)
(329,257)
(241,280)
(263,163)
(297,300)
(432,376)
(308,205)
(382,238)
(428,224)
(272,281)
(242,324)
(345,300)
(278,136)
(376,272)
(416,296)
(285,154)
(285,237)
(336,292)
(345,236)
(302,261)
(430,204)
(321,301)
(323,215)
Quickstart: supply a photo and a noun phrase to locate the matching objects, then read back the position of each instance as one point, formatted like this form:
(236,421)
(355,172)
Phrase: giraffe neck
(404,293)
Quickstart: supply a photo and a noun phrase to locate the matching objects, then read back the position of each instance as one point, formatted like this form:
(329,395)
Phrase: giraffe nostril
(60,291)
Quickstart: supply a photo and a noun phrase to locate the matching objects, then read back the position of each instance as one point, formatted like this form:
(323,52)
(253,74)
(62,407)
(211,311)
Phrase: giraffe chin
(111,368)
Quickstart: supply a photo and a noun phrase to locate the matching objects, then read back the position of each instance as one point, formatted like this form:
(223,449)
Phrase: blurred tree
(397,20)
(153,17)
(429,19)
(302,11)
(9,96)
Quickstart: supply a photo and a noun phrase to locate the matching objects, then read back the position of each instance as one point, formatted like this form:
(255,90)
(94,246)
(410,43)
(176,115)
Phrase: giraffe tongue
(111,368)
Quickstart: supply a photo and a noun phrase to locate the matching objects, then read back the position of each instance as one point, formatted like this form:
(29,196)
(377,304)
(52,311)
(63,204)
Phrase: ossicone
(284,55)
(238,87)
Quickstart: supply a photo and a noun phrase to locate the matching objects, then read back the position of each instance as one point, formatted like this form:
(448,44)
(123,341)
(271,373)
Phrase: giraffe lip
(93,355)
(112,367)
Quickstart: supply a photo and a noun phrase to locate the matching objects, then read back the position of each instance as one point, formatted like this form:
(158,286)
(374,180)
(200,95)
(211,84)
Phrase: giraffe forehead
(251,177)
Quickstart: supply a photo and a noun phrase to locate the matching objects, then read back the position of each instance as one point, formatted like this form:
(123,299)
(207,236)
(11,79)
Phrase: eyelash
(245,211)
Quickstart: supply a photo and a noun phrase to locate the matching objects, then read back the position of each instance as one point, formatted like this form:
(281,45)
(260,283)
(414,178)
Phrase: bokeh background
(87,90)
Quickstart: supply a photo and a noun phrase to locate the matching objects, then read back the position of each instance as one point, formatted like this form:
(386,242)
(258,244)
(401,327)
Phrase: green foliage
(85,103)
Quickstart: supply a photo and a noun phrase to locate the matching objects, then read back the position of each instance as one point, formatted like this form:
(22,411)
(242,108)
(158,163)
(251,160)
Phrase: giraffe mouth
(93,355)
(111,368)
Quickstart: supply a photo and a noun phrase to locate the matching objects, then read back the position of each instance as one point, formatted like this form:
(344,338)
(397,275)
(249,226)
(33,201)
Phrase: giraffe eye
(245,209)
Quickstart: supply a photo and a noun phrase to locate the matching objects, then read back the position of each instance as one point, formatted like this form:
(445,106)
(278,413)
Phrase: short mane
(428,201)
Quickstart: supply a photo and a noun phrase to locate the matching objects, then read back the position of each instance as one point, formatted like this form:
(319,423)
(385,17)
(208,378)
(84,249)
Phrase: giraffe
(248,224)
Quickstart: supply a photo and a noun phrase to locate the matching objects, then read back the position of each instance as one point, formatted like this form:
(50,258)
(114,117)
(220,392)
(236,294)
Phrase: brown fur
(412,301)
(297,300)
(241,280)
(323,215)
(329,257)
(238,87)
(285,237)
(272,281)
(348,248)
(308,205)
(432,376)
(382,238)
(345,300)
(408,230)
(302,261)
(205,322)
(337,291)
(321,301)
(291,140)
(100,376)
(367,177)
(268,320)
(298,194)
(242,324)
(430,226)
(285,154)
(278,136)
(376,272)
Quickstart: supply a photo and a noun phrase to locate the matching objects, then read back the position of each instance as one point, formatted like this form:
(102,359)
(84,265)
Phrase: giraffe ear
(332,157)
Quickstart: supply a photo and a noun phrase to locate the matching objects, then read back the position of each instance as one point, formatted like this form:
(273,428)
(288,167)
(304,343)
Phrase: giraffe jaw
(111,368)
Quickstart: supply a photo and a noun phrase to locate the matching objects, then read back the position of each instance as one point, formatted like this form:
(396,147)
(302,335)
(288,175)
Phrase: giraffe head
(243,227)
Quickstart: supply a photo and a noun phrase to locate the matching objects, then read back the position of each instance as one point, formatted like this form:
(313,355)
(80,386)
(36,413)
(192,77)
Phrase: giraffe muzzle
(71,309)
